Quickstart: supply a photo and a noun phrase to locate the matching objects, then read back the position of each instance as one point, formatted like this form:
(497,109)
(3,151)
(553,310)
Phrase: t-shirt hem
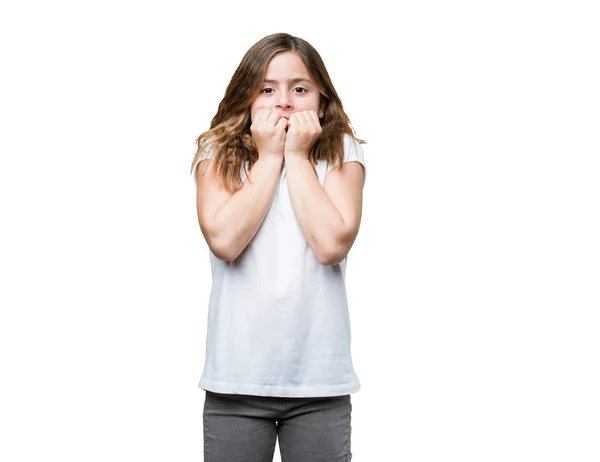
(291,391)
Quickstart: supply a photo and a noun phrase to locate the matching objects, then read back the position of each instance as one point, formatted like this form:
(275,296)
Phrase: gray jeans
(244,428)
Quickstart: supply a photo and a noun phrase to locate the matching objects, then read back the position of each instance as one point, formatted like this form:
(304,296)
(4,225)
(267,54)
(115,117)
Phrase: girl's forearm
(319,220)
(238,220)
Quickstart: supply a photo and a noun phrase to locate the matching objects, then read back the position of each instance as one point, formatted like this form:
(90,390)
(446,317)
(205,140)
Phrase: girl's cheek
(257,108)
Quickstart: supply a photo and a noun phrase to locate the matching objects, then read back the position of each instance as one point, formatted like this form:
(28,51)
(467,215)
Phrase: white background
(474,282)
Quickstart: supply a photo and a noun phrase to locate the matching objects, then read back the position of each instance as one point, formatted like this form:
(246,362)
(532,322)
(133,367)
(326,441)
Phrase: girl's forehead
(286,64)
(287,68)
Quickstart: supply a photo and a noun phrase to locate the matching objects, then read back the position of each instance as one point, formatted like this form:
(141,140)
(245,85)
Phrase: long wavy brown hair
(229,140)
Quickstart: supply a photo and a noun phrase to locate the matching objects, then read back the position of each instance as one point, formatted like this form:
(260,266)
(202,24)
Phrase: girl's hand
(268,132)
(303,130)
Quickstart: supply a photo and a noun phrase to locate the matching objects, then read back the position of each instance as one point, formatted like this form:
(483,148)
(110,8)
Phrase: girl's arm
(228,220)
(329,216)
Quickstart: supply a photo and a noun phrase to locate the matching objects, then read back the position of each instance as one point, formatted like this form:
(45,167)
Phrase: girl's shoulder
(353,152)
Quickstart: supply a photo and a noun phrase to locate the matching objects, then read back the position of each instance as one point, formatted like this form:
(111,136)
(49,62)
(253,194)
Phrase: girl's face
(287,87)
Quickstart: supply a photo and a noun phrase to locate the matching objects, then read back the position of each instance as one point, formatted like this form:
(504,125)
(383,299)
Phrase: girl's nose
(283,101)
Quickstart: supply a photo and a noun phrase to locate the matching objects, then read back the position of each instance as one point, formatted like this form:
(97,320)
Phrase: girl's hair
(229,140)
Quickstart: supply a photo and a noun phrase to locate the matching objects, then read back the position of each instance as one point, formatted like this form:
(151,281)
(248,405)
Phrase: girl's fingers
(299,121)
(281,124)
(274,117)
(260,114)
(306,116)
(308,119)
(314,118)
(269,117)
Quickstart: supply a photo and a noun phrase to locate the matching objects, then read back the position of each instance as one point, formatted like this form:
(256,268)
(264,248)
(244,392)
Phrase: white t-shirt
(278,320)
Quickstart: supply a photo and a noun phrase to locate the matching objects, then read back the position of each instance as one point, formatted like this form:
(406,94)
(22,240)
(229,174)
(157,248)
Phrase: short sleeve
(353,152)
(206,154)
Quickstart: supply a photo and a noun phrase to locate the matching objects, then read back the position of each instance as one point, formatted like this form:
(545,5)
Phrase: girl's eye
(297,89)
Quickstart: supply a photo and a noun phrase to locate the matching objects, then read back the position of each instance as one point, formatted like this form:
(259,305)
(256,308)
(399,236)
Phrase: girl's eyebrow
(292,81)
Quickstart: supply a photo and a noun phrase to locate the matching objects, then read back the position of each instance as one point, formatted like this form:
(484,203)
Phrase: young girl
(279,180)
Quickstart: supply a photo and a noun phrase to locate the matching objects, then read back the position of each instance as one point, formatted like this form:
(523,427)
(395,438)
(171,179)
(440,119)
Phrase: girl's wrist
(269,157)
(294,155)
